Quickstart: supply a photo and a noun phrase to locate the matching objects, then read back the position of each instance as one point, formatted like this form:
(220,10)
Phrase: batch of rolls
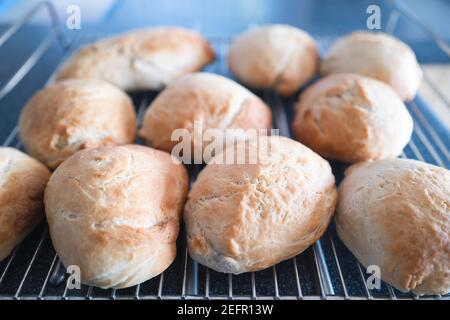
(114,208)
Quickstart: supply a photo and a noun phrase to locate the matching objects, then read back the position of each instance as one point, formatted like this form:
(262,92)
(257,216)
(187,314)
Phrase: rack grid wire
(326,270)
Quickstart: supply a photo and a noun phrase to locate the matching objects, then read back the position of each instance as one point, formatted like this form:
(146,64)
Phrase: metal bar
(252,280)
(391,292)
(430,129)
(66,288)
(89,293)
(10,260)
(400,5)
(41,292)
(368,294)
(341,277)
(136,292)
(160,286)
(207,284)
(416,151)
(230,286)
(30,264)
(26,67)
(275,282)
(435,89)
(428,145)
(141,110)
(12,135)
(183,289)
(23,20)
(392,22)
(319,274)
(297,279)
(113,294)
(57,276)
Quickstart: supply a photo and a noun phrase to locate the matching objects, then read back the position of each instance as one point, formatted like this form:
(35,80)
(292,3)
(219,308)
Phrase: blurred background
(324,19)
(228,17)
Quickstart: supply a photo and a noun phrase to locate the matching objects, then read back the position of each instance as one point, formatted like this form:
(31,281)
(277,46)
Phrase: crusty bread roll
(141,59)
(376,55)
(247,217)
(395,214)
(75,114)
(280,57)
(207,100)
(22,183)
(352,118)
(115,213)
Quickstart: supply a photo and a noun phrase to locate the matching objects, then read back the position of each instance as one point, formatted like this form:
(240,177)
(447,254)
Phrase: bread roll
(376,55)
(75,114)
(207,100)
(280,57)
(395,214)
(247,217)
(141,59)
(352,118)
(22,183)
(115,213)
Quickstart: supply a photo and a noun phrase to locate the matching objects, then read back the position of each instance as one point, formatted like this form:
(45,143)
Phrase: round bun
(141,59)
(202,99)
(75,114)
(247,217)
(22,183)
(115,211)
(376,55)
(280,57)
(352,118)
(395,214)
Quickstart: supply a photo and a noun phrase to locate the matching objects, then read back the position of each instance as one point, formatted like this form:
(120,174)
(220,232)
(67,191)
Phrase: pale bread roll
(279,57)
(115,213)
(352,118)
(75,114)
(22,184)
(247,217)
(395,214)
(376,55)
(202,100)
(141,59)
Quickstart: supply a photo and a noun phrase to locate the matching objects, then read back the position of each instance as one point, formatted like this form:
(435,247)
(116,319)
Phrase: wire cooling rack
(326,270)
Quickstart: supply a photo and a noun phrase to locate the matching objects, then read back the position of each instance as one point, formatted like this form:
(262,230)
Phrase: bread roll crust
(73,115)
(247,217)
(115,213)
(376,55)
(395,214)
(22,183)
(352,118)
(141,59)
(213,101)
(277,56)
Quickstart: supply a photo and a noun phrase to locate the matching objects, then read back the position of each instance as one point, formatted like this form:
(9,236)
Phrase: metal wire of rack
(327,270)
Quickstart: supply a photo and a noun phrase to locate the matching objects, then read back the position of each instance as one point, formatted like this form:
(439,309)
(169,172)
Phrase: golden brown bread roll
(115,213)
(207,100)
(395,214)
(75,114)
(22,183)
(247,217)
(141,59)
(352,118)
(276,56)
(376,55)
